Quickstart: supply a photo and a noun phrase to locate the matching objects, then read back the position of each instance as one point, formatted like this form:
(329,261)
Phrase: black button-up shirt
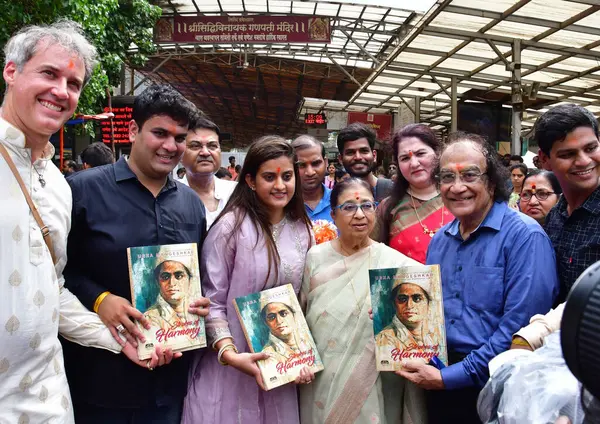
(112,211)
(576,239)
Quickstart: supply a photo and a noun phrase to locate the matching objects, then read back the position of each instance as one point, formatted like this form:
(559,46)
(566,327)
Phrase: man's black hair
(353,132)
(556,123)
(163,100)
(223,172)
(202,122)
(97,154)
(306,141)
(517,158)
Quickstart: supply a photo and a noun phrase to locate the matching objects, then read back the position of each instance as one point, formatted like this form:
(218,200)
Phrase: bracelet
(99,300)
(520,341)
(225,336)
(229,346)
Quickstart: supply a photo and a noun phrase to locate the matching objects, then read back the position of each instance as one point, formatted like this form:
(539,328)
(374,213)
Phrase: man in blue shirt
(498,270)
(312,165)
(134,202)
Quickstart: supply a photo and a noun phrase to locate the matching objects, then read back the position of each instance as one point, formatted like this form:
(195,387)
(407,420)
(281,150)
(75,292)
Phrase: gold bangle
(520,341)
(229,346)
(99,300)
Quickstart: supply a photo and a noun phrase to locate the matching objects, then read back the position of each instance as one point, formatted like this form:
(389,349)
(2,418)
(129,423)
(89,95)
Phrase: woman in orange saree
(408,219)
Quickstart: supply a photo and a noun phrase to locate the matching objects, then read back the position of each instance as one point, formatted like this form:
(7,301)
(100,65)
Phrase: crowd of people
(509,250)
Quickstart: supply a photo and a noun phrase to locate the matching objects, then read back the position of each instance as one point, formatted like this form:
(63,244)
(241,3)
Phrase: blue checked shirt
(492,284)
(576,239)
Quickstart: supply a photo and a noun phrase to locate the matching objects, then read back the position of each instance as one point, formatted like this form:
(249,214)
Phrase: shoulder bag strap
(34,211)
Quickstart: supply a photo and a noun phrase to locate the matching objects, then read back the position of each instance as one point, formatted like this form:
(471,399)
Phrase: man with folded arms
(568,138)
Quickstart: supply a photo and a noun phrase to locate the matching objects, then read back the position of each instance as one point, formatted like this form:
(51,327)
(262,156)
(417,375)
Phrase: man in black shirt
(134,202)
(356,145)
(569,146)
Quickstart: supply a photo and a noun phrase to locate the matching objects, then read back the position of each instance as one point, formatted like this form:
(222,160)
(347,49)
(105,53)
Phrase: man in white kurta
(44,80)
(34,306)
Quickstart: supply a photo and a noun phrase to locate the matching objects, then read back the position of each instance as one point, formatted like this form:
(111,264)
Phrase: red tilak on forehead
(410,154)
(278,171)
(459,167)
(533,186)
(71,64)
(356,195)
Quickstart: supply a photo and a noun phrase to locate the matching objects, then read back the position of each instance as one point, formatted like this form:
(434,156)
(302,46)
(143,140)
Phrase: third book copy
(408,315)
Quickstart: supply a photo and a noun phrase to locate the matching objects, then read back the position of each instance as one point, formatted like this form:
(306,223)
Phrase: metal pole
(454,102)
(517,99)
(417,109)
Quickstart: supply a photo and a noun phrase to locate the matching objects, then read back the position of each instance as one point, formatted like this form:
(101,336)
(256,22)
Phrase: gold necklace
(426,230)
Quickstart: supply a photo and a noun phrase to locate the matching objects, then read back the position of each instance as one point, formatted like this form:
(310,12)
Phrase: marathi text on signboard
(120,124)
(243,29)
(380,122)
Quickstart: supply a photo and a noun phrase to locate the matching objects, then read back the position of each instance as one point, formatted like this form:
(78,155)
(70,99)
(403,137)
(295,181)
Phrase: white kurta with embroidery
(34,306)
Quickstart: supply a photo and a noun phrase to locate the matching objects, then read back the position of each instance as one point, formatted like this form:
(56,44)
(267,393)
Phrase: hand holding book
(117,313)
(160,356)
(246,363)
(421,374)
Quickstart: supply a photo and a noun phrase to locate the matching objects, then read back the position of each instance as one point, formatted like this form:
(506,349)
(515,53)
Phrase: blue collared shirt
(492,284)
(112,211)
(323,209)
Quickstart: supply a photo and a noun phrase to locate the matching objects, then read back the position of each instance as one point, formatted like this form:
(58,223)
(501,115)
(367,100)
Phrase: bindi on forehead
(356,195)
(533,186)
(410,153)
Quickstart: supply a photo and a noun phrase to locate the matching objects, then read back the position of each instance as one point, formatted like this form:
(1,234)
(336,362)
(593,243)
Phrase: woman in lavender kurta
(258,242)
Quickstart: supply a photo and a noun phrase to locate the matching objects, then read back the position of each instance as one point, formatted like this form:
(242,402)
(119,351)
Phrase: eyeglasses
(467,177)
(416,298)
(283,313)
(541,195)
(350,208)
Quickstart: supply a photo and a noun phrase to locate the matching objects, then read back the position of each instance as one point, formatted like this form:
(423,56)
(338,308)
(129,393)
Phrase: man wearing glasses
(489,284)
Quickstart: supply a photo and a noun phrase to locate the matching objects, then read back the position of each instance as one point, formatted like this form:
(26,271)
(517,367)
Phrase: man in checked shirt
(568,139)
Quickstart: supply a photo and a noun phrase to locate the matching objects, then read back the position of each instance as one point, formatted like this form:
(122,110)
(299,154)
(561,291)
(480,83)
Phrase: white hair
(68,34)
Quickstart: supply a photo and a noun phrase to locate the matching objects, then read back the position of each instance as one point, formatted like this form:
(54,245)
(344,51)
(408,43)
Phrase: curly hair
(495,171)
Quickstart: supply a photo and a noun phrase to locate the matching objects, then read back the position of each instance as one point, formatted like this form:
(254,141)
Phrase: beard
(359,173)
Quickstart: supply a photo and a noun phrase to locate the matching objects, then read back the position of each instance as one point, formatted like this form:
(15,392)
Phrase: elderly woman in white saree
(336,294)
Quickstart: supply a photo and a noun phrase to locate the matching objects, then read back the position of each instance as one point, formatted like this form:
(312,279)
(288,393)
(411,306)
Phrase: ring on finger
(149,367)
(121,329)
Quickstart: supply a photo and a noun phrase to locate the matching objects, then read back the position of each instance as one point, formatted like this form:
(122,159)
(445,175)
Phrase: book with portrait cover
(164,280)
(274,323)
(408,315)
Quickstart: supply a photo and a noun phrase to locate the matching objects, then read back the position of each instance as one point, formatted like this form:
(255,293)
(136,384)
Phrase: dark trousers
(91,414)
(453,406)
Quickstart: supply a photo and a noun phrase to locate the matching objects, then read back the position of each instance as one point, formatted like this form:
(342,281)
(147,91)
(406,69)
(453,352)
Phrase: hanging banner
(380,122)
(243,29)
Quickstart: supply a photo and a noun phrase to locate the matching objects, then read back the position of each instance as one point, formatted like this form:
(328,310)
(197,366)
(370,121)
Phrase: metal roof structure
(254,89)
(391,55)
(472,41)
